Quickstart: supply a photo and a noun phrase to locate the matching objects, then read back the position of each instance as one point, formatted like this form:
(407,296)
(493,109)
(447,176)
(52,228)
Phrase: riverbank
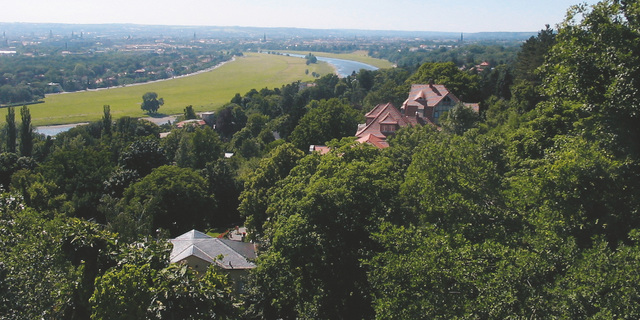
(342,67)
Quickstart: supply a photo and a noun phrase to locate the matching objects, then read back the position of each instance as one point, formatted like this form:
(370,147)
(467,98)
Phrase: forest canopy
(528,209)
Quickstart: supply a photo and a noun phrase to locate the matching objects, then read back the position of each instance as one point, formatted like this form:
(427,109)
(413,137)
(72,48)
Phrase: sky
(405,15)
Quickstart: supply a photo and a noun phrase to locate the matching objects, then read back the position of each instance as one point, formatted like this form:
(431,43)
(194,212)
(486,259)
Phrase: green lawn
(207,91)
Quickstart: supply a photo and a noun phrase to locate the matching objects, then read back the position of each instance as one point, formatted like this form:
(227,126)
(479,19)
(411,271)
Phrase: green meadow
(360,56)
(205,91)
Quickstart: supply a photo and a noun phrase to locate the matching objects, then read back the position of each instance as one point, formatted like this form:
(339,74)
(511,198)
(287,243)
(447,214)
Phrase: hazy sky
(409,15)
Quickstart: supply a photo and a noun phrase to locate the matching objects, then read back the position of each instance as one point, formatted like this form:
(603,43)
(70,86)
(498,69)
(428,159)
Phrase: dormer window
(446,101)
(388,128)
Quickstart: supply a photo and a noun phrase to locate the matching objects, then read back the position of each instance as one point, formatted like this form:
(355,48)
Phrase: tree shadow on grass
(157,115)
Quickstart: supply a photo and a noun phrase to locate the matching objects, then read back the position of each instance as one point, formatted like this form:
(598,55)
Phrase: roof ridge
(384,107)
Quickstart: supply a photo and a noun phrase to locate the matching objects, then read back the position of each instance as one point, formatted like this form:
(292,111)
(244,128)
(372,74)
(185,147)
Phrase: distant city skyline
(404,15)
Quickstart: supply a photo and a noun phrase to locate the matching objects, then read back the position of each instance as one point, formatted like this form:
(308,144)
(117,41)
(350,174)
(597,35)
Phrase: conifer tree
(26,133)
(11,130)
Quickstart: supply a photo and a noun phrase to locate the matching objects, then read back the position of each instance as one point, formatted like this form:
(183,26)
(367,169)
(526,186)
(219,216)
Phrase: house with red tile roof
(384,120)
(425,105)
(431,101)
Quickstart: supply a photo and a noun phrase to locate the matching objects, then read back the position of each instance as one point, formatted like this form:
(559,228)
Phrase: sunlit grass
(360,56)
(205,92)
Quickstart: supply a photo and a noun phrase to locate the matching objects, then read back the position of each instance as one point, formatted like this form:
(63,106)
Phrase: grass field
(206,91)
(360,56)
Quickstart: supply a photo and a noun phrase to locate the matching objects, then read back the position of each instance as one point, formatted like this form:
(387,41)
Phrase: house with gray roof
(199,250)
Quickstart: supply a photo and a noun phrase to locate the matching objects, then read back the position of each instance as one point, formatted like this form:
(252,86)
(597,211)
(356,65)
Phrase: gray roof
(235,254)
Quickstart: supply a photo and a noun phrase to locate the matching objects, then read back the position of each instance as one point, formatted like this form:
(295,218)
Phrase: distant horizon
(258,27)
(370,15)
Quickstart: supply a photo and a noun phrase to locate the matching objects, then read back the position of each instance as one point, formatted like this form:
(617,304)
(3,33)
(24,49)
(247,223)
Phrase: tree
(193,148)
(464,85)
(311,59)
(326,120)
(533,54)
(8,166)
(123,293)
(107,123)
(258,188)
(151,103)
(189,113)
(455,182)
(172,198)
(224,185)
(230,120)
(179,293)
(26,133)
(143,155)
(460,119)
(79,172)
(322,215)
(50,262)
(11,130)
(594,64)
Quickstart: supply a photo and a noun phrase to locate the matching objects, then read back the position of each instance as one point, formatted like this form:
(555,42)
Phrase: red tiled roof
(422,95)
(474,106)
(379,113)
(382,114)
(380,143)
(319,149)
(375,112)
(388,119)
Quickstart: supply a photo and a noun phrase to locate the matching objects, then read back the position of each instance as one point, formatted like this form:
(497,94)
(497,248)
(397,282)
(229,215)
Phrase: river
(53,130)
(343,67)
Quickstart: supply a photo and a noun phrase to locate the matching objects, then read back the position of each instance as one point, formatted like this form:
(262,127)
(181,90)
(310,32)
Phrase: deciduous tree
(151,103)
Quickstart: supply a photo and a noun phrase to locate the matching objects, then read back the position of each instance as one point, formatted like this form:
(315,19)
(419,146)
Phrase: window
(436,114)
(387,128)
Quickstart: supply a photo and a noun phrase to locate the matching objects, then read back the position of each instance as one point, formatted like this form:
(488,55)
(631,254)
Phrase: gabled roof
(382,112)
(375,112)
(388,119)
(380,143)
(422,95)
(233,254)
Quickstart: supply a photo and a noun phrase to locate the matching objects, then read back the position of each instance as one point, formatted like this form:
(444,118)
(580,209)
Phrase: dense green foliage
(526,210)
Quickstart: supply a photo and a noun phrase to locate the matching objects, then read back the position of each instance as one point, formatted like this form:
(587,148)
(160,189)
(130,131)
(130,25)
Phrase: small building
(209,118)
(431,101)
(319,148)
(191,122)
(199,250)
(383,121)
